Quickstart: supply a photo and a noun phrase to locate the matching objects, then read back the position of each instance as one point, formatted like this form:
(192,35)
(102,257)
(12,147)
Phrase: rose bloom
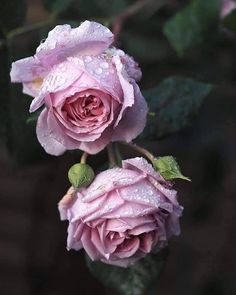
(88,90)
(124,214)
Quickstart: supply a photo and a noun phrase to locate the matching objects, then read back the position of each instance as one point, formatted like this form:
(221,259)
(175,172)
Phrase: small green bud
(80,175)
(168,168)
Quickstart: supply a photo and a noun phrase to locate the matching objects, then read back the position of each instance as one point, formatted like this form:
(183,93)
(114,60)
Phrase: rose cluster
(88,95)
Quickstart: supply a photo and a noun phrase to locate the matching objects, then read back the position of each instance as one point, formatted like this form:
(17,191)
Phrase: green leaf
(12,14)
(33,117)
(189,26)
(57,6)
(173,105)
(169,168)
(134,280)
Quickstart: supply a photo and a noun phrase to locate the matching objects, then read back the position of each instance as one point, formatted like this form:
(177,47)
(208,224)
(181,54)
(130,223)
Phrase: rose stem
(111,156)
(140,149)
(118,154)
(84,158)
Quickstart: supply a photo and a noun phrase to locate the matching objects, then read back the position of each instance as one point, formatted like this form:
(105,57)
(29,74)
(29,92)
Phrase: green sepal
(169,168)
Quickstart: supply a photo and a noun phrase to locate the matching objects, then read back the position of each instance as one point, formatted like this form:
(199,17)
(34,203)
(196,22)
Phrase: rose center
(88,107)
(92,106)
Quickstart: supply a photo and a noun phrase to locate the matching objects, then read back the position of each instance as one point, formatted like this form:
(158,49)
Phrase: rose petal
(146,243)
(113,201)
(30,72)
(89,38)
(132,68)
(106,78)
(75,231)
(127,87)
(94,147)
(130,210)
(128,248)
(88,245)
(117,179)
(141,164)
(60,77)
(50,145)
(95,238)
(140,229)
(142,193)
(134,118)
(82,210)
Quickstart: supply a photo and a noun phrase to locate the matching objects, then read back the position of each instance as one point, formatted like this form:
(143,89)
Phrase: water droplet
(106,30)
(62,80)
(104,65)
(83,85)
(88,58)
(98,71)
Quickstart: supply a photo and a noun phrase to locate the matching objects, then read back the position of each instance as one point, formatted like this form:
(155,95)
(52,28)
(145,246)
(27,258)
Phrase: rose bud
(80,175)
(123,215)
(88,90)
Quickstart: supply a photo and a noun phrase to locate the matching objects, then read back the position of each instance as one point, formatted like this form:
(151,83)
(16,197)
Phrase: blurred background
(33,255)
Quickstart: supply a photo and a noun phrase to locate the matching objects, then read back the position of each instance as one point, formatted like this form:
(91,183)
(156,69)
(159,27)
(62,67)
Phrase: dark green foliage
(12,14)
(112,7)
(134,280)
(138,45)
(57,6)
(4,86)
(172,105)
(188,27)
(229,21)
(19,135)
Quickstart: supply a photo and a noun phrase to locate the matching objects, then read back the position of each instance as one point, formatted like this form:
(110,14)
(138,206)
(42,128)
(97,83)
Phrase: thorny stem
(140,149)
(111,156)
(84,158)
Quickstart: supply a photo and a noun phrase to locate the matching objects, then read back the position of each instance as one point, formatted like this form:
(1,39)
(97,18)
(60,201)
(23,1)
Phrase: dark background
(202,261)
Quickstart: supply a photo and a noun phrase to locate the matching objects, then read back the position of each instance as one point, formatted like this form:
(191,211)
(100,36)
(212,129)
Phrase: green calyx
(80,175)
(168,168)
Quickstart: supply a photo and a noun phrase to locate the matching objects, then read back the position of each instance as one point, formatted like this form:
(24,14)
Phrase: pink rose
(121,220)
(88,90)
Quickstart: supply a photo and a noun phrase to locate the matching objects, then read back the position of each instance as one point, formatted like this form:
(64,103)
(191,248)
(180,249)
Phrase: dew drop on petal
(104,65)
(87,58)
(98,71)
